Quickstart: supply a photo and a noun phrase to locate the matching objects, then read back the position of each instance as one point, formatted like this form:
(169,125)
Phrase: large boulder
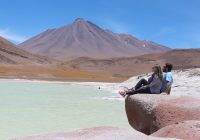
(188,130)
(97,133)
(148,113)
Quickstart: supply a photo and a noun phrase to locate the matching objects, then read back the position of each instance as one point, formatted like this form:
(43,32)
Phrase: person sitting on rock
(152,86)
(167,79)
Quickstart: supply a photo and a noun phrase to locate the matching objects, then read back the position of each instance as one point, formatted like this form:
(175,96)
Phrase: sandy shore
(55,74)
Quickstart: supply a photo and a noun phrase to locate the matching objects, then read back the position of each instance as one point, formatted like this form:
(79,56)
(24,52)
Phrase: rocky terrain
(184,130)
(83,38)
(151,113)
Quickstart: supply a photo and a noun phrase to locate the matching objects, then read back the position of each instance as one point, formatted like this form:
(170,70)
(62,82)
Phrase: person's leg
(144,89)
(141,83)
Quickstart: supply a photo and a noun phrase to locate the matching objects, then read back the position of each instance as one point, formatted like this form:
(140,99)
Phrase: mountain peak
(86,39)
(80,20)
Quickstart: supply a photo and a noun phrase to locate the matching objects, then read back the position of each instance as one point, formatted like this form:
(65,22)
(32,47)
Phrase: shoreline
(87,83)
(56,74)
(103,85)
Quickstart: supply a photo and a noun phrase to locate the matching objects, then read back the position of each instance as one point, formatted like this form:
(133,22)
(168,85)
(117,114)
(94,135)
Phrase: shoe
(122,93)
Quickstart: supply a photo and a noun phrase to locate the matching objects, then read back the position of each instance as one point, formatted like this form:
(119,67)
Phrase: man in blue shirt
(167,79)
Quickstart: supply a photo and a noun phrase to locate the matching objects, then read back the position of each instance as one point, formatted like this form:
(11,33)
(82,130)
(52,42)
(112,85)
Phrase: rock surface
(97,133)
(188,130)
(149,113)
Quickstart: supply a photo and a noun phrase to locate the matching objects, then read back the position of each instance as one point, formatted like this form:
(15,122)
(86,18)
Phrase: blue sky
(174,23)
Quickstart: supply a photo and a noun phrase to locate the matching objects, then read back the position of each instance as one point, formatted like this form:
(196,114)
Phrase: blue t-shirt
(167,77)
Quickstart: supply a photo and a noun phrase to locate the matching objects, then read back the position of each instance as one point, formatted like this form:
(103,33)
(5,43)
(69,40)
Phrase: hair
(169,66)
(159,72)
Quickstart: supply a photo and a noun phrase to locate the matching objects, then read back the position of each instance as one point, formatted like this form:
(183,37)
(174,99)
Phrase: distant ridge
(83,38)
(180,58)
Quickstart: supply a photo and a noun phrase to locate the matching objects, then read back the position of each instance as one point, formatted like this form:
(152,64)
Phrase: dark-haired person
(152,86)
(167,79)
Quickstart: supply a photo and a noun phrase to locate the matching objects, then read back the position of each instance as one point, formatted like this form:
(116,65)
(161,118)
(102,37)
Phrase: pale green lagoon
(29,108)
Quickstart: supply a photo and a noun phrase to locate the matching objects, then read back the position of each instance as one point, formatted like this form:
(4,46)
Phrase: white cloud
(15,38)
(164,31)
(116,27)
(195,36)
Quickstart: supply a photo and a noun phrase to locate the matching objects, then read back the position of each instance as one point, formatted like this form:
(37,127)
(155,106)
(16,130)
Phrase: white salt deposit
(186,82)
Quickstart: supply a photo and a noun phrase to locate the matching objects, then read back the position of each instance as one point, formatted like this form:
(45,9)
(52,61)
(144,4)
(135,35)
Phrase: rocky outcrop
(149,113)
(188,130)
(97,133)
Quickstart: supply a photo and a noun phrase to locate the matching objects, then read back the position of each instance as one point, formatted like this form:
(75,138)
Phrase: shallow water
(28,108)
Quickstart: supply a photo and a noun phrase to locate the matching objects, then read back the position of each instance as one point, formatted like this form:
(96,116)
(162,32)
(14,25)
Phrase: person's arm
(150,79)
(168,87)
(169,80)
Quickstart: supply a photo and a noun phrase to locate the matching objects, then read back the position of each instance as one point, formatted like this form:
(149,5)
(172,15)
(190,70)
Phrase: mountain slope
(16,63)
(11,54)
(85,39)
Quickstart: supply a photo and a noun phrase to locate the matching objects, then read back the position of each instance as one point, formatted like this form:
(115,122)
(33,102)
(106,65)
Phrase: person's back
(155,85)
(167,79)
